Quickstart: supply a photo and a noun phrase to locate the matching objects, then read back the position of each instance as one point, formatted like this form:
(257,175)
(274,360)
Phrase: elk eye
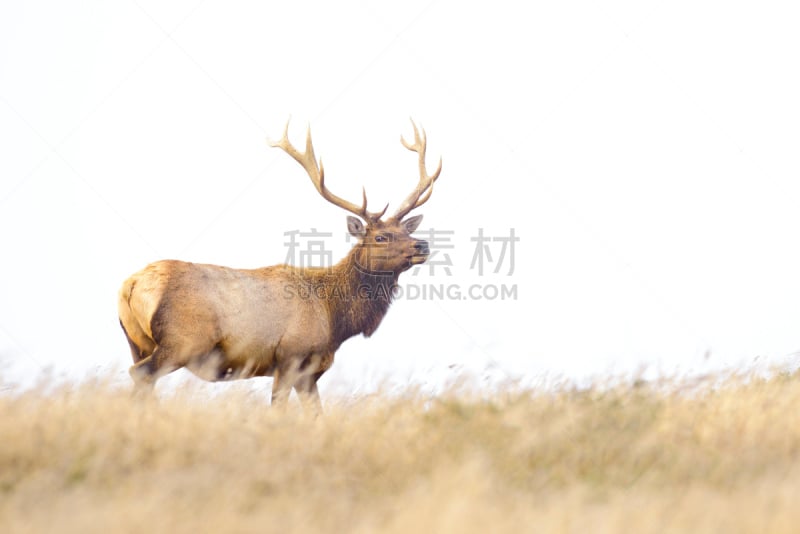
(381,238)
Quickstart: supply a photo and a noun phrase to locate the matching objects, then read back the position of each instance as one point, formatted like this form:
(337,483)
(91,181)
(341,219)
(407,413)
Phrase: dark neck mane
(357,299)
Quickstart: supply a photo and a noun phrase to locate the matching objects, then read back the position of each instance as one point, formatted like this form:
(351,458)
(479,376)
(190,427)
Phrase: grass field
(720,456)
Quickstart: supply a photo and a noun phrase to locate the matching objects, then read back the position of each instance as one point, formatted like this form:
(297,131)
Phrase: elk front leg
(281,388)
(305,384)
(307,392)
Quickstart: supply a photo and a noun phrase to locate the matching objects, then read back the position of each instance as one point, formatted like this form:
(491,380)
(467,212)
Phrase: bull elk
(281,321)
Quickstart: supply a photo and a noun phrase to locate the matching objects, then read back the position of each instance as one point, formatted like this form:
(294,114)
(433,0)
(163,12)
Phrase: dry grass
(719,458)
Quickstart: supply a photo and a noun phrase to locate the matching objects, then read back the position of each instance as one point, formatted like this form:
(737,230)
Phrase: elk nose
(422,247)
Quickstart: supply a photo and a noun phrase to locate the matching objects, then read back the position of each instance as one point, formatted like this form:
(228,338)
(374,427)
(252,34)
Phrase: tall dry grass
(719,457)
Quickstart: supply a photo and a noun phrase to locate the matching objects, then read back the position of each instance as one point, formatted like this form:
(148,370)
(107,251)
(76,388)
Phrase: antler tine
(378,214)
(424,188)
(316,172)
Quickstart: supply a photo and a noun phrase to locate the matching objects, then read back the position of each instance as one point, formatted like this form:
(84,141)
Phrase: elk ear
(355,226)
(412,223)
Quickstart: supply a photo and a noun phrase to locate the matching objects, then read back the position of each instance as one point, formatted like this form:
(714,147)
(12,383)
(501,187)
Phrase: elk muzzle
(421,252)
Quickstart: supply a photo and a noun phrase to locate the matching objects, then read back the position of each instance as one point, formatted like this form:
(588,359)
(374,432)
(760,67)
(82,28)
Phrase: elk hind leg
(147,370)
(140,349)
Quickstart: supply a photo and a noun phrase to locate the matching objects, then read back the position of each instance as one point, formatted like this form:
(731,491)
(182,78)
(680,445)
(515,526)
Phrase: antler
(424,188)
(317,174)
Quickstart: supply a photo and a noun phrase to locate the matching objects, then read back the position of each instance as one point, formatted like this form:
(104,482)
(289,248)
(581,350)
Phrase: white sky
(645,153)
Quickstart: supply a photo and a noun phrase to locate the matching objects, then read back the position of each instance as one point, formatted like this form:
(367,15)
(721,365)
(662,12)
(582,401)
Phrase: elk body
(281,321)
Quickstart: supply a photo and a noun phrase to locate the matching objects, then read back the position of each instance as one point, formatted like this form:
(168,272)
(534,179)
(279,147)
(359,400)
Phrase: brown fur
(281,321)
(177,314)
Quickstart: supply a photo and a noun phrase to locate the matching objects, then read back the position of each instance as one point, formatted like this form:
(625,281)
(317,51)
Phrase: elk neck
(357,299)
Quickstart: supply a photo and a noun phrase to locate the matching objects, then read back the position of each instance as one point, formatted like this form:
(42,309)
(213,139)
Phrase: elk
(282,321)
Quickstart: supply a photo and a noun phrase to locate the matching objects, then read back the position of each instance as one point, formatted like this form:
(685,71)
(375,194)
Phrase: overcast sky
(645,155)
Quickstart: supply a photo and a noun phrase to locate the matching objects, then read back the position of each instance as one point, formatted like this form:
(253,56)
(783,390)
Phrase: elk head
(385,245)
